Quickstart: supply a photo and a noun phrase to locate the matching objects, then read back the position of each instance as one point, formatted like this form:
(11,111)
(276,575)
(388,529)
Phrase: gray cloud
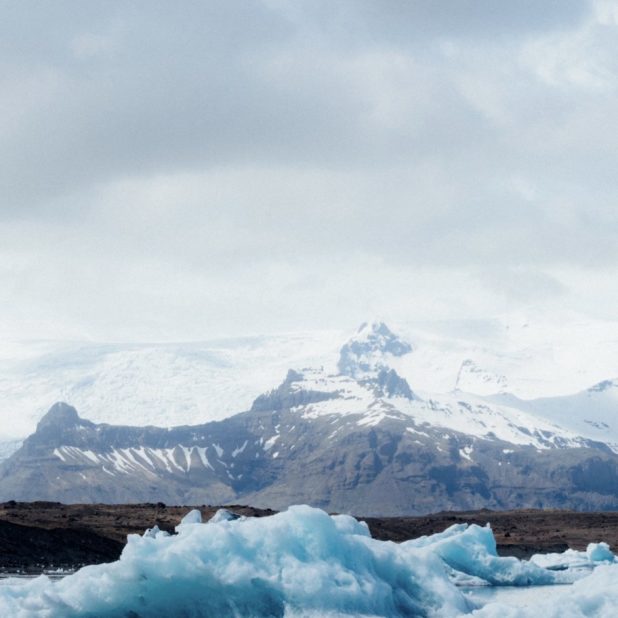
(226,155)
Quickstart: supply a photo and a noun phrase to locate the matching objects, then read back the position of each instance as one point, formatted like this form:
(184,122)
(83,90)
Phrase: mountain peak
(59,415)
(367,350)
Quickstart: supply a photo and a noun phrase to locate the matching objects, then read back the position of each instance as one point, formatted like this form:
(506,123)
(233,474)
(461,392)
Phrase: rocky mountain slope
(358,439)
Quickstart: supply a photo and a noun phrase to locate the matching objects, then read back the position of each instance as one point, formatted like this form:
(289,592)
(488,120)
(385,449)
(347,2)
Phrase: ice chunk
(300,562)
(599,552)
(154,532)
(471,549)
(192,517)
(572,559)
(224,515)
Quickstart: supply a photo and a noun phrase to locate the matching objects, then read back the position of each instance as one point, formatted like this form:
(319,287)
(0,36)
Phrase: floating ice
(595,596)
(223,515)
(299,563)
(192,517)
(471,549)
(595,554)
(600,552)
(154,532)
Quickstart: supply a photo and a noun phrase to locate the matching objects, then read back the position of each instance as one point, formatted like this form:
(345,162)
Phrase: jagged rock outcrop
(286,396)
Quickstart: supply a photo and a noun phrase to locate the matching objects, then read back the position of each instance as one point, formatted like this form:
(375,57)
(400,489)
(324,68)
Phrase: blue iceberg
(471,549)
(302,562)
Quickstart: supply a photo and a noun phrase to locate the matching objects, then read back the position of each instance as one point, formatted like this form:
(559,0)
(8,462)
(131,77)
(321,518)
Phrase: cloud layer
(182,171)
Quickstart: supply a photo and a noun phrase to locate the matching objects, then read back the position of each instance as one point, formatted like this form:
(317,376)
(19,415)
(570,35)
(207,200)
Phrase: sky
(180,171)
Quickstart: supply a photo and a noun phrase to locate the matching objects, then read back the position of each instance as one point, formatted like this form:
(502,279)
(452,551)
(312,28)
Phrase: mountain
(592,413)
(357,439)
(169,384)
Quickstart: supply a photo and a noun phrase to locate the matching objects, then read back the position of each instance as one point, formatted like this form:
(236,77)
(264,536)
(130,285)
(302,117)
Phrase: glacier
(304,562)
(530,356)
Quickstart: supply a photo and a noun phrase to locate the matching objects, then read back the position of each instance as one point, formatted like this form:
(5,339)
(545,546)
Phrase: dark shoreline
(38,536)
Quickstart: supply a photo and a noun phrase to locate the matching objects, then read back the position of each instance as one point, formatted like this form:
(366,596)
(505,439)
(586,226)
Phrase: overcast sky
(186,170)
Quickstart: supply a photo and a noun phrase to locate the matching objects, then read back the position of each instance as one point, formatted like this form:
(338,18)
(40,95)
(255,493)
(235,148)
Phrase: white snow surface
(149,384)
(457,411)
(529,365)
(304,562)
(592,412)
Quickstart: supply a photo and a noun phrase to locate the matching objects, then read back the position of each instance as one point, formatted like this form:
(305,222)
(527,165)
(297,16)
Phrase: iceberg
(302,562)
(600,552)
(223,515)
(595,554)
(471,549)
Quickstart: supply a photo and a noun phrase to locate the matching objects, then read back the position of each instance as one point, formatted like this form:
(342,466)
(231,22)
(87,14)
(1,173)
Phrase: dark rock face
(391,384)
(285,397)
(59,415)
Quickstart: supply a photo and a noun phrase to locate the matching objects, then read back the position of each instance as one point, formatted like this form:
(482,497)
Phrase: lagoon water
(515,596)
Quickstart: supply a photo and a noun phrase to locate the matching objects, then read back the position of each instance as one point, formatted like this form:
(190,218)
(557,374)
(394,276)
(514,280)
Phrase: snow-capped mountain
(592,413)
(171,384)
(356,438)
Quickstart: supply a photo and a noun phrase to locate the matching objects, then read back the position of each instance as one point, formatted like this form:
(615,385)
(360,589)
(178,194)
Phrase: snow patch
(238,451)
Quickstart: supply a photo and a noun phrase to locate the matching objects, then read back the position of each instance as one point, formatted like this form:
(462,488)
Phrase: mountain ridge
(361,441)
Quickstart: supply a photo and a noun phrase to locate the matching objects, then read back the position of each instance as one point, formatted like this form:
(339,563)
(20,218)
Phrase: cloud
(169,169)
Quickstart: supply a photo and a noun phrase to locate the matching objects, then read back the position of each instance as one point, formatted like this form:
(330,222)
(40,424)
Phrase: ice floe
(304,562)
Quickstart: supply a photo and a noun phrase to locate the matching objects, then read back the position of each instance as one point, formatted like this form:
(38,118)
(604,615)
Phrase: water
(515,596)
(10,579)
